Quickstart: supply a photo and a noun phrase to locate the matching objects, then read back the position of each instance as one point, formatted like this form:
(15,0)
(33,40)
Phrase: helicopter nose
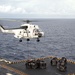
(41,34)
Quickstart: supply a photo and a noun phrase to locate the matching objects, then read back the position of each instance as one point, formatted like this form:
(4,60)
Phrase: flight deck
(18,67)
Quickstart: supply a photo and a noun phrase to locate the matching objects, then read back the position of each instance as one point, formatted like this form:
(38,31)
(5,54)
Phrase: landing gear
(38,39)
(20,40)
(28,39)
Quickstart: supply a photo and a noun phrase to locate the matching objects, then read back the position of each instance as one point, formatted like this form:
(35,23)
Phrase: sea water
(59,40)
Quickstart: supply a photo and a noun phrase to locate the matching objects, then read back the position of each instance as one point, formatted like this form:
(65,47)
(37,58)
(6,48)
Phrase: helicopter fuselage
(26,31)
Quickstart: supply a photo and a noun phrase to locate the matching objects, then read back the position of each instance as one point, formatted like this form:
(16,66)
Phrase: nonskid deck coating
(19,68)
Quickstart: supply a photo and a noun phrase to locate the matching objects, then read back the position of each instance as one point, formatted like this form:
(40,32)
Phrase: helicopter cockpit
(24,27)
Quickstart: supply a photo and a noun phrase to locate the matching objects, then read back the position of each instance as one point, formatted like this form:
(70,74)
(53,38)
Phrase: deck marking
(58,74)
(12,69)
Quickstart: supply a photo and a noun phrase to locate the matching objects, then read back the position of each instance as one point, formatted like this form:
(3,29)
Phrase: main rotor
(18,20)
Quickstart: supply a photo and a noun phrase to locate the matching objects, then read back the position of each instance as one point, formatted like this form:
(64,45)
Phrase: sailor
(61,65)
(54,61)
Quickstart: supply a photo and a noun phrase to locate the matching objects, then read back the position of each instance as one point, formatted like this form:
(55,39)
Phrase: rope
(21,61)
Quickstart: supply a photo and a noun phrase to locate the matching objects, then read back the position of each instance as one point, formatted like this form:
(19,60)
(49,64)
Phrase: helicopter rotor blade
(11,20)
(21,20)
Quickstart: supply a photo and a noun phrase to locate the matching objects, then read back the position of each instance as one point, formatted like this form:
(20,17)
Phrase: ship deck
(19,68)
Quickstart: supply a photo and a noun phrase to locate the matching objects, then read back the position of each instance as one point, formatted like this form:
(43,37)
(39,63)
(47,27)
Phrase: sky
(37,8)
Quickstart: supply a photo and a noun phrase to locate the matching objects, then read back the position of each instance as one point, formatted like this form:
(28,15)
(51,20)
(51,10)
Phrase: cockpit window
(36,30)
(24,27)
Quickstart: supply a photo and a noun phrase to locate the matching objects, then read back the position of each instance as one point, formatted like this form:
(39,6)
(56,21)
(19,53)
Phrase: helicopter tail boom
(5,30)
(2,28)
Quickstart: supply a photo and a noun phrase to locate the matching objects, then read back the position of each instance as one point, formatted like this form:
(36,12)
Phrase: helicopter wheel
(20,40)
(38,40)
(28,39)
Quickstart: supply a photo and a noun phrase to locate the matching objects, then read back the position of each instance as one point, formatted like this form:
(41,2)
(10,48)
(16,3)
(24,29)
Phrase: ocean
(59,40)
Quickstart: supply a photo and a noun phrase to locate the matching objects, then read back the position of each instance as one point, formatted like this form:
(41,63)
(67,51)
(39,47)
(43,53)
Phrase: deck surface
(50,70)
(19,68)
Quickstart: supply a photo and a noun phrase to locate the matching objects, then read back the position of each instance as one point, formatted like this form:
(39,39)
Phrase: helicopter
(25,31)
